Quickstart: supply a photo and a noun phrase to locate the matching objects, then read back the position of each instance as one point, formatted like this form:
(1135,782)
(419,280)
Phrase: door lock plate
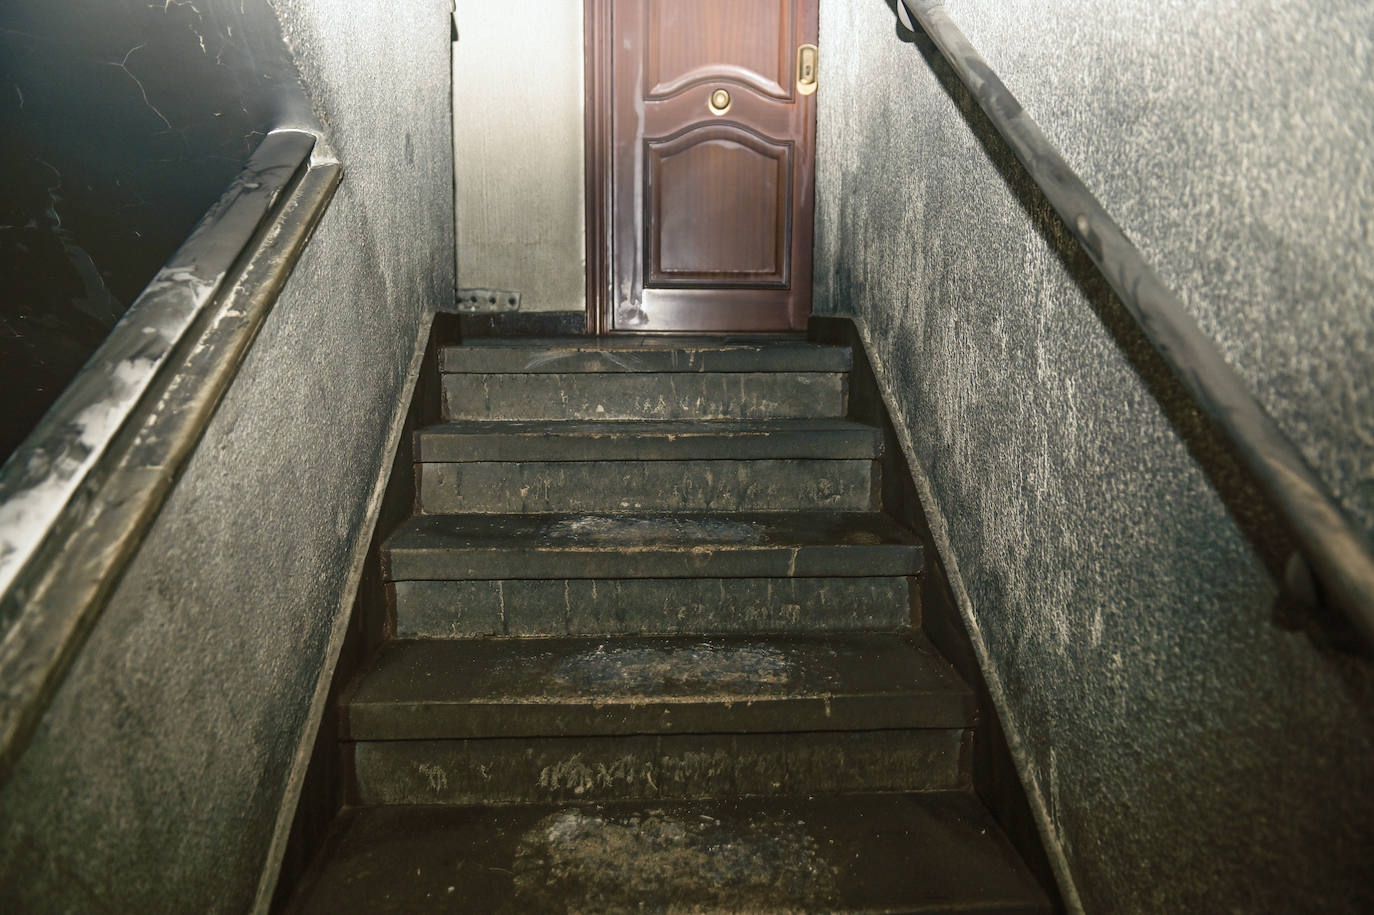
(807,59)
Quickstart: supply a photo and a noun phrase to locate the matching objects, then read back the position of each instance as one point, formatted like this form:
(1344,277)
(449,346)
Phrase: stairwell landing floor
(933,852)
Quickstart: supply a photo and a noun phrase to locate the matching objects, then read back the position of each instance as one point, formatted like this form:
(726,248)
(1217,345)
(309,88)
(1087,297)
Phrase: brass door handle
(807,59)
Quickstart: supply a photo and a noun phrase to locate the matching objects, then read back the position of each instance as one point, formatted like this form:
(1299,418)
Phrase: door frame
(598,49)
(598,108)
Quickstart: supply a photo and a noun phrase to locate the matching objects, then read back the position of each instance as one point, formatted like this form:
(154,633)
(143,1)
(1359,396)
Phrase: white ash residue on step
(577,776)
(591,860)
(742,670)
(641,531)
(646,775)
(435,776)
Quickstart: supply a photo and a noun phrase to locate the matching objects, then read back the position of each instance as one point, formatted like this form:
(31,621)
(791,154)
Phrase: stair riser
(670,440)
(707,396)
(800,544)
(595,357)
(685,767)
(868,561)
(526,716)
(523,607)
(608,486)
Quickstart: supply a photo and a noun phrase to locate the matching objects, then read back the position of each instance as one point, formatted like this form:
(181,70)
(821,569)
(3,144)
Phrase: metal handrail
(1332,554)
(79,493)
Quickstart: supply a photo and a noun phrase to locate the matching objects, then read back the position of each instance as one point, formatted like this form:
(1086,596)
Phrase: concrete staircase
(655,649)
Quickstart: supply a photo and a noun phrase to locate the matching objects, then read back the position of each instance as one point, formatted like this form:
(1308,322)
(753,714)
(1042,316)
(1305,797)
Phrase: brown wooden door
(711,194)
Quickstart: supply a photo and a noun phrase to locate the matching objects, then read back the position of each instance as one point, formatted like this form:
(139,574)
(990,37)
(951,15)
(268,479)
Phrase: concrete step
(615,486)
(640,354)
(661,767)
(684,545)
(782,439)
(440,689)
(664,396)
(935,852)
(651,606)
(635,466)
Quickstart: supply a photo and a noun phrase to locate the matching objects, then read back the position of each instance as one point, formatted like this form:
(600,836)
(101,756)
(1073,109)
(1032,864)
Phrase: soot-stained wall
(162,777)
(1188,753)
(120,124)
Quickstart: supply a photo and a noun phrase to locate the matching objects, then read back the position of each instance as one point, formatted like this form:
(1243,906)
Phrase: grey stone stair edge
(551,607)
(651,545)
(881,561)
(590,440)
(675,356)
(468,688)
(665,767)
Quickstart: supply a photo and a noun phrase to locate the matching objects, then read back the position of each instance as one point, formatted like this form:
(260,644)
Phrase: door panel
(711,196)
(690,43)
(697,236)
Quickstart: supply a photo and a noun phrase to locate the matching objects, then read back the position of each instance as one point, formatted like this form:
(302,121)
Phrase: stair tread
(642,354)
(932,852)
(570,440)
(451,688)
(750,393)
(651,545)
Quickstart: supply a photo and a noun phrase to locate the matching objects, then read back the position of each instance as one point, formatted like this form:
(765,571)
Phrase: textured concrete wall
(1188,753)
(518,141)
(157,781)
